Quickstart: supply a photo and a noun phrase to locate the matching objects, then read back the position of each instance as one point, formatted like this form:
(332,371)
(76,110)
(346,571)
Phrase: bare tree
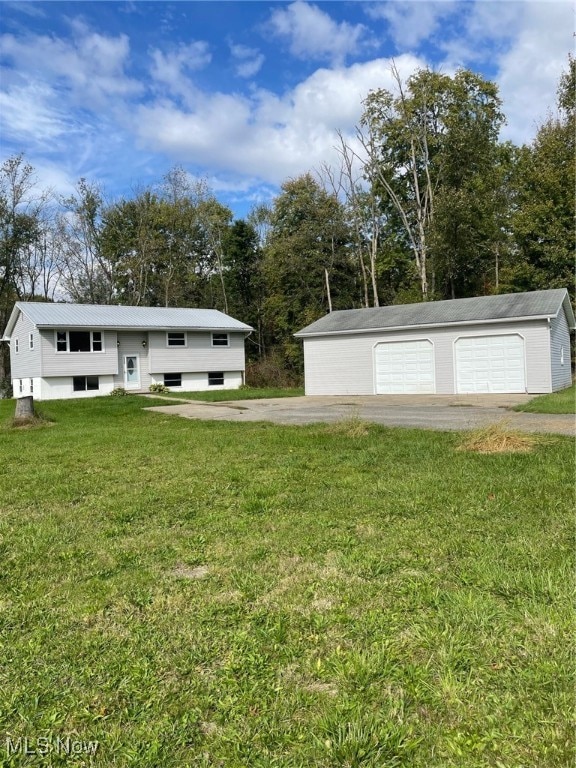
(86,274)
(39,268)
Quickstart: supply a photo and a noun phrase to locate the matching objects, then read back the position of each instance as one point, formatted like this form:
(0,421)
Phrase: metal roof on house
(47,315)
(479,309)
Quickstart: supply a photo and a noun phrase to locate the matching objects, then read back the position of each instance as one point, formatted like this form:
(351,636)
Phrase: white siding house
(500,344)
(83,350)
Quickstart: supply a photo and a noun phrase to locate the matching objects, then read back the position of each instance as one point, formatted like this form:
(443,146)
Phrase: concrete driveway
(442,412)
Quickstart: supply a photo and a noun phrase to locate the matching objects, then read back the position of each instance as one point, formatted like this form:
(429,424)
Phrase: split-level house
(83,350)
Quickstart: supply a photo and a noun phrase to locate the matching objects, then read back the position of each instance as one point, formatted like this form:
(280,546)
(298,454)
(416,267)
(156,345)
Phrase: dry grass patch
(185,572)
(500,438)
(353,426)
(307,587)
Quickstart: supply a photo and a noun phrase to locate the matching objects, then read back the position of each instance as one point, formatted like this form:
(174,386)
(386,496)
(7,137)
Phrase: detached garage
(517,342)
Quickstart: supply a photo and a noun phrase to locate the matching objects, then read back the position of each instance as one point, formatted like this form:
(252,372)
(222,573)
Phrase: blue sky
(245,94)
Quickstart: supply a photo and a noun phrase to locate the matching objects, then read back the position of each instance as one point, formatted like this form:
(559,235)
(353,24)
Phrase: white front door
(490,364)
(404,367)
(131,371)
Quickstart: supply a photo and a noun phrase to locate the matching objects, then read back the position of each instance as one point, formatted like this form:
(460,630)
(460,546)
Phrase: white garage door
(490,364)
(404,367)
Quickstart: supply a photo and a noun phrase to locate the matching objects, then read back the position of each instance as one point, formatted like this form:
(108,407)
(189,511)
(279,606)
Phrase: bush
(271,372)
(118,392)
(157,387)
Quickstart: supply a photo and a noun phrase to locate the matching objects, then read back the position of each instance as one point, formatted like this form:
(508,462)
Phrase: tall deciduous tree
(242,262)
(430,144)
(543,222)
(155,248)
(166,248)
(306,263)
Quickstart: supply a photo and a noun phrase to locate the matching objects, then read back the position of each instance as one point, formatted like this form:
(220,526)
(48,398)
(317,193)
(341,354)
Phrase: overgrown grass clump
(500,438)
(219,594)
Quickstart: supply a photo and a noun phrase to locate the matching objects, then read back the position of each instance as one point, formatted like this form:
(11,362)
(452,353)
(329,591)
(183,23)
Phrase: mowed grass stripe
(209,593)
(563,401)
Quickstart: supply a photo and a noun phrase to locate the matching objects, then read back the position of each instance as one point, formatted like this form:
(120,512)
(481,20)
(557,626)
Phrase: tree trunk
(24,408)
(329,297)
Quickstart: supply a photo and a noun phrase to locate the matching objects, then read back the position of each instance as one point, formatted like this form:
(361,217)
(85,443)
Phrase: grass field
(558,402)
(245,393)
(214,594)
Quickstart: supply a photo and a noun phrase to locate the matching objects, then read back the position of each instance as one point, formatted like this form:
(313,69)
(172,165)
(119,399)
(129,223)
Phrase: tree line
(425,203)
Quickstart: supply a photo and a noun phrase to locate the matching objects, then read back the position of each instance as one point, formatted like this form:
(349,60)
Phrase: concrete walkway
(441,412)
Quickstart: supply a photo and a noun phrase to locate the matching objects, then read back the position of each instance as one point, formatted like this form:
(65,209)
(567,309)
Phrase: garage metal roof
(47,315)
(532,305)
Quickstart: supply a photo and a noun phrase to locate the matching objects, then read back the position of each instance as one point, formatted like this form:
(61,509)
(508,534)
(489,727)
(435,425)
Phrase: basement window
(85,383)
(215,378)
(172,379)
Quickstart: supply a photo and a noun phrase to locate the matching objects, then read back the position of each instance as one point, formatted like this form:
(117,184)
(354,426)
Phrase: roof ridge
(471,309)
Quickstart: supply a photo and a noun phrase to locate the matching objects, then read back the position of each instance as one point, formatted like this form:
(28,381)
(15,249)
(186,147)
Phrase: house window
(31,341)
(31,386)
(79,341)
(85,383)
(16,346)
(215,378)
(219,339)
(176,339)
(172,379)
(561,355)
(20,386)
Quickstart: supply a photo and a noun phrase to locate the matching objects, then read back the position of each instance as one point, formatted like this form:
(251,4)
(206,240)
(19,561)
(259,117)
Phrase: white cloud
(248,60)
(530,70)
(169,67)
(527,45)
(28,9)
(267,136)
(410,23)
(72,104)
(90,65)
(29,115)
(313,34)
(171,70)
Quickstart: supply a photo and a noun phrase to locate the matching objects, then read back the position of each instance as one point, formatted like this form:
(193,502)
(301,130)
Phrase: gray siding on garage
(27,363)
(344,364)
(560,340)
(198,356)
(78,363)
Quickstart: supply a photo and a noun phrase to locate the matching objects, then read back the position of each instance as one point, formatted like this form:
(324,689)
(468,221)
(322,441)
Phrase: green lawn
(246,393)
(558,402)
(246,595)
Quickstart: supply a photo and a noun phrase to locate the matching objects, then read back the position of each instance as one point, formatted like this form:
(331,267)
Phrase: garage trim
(490,336)
(382,342)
